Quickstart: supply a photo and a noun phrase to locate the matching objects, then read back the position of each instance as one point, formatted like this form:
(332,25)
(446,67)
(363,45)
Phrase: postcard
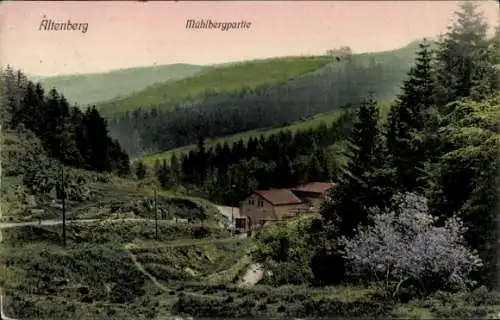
(249,159)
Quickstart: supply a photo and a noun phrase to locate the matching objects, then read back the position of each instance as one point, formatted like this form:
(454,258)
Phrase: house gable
(257,208)
(277,204)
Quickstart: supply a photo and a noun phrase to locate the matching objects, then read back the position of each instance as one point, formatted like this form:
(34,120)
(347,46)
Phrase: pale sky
(128,34)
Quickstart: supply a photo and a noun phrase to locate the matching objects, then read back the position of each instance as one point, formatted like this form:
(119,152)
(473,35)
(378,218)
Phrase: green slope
(236,76)
(224,79)
(312,122)
(97,87)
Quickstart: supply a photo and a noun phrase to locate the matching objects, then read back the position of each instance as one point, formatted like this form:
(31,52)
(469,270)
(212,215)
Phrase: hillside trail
(143,271)
(8,225)
(52,222)
(170,244)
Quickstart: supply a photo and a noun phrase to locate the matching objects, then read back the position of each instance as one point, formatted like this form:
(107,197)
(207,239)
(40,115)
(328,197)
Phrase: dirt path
(254,274)
(182,243)
(9,225)
(170,244)
(143,271)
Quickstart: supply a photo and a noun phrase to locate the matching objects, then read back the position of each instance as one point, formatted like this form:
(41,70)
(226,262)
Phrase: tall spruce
(362,185)
(140,170)
(366,182)
(201,159)
(407,123)
(465,67)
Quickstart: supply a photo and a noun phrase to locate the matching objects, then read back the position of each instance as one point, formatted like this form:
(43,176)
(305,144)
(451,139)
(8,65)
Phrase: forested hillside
(87,89)
(438,149)
(297,126)
(74,137)
(339,83)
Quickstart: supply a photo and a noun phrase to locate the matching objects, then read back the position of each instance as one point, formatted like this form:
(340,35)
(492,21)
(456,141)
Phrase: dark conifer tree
(140,170)
(367,182)
(97,134)
(157,166)
(201,160)
(166,175)
(406,138)
(175,167)
(464,67)
(315,172)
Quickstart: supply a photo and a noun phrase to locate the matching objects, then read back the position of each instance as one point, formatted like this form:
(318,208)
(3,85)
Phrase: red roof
(279,196)
(315,187)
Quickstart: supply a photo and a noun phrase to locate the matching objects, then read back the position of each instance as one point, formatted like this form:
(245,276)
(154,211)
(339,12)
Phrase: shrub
(483,296)
(200,232)
(403,247)
(284,251)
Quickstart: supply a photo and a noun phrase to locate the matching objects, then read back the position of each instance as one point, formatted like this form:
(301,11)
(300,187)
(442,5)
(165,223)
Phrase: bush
(482,296)
(404,248)
(284,251)
(288,273)
(200,232)
(327,307)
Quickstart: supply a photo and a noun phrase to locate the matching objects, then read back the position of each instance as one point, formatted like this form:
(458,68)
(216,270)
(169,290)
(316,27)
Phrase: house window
(261,203)
(251,202)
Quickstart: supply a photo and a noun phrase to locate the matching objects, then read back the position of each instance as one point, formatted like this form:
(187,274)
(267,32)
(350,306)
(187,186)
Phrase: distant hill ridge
(235,77)
(119,84)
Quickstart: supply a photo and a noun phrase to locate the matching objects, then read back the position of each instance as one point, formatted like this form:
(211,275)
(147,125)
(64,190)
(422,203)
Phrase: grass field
(313,122)
(97,87)
(222,79)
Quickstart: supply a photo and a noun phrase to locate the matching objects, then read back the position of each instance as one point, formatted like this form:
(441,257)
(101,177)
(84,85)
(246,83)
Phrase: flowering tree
(404,246)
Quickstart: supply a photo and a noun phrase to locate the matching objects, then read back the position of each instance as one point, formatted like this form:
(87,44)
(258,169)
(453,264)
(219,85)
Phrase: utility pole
(233,225)
(1,145)
(60,126)
(156,216)
(63,194)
